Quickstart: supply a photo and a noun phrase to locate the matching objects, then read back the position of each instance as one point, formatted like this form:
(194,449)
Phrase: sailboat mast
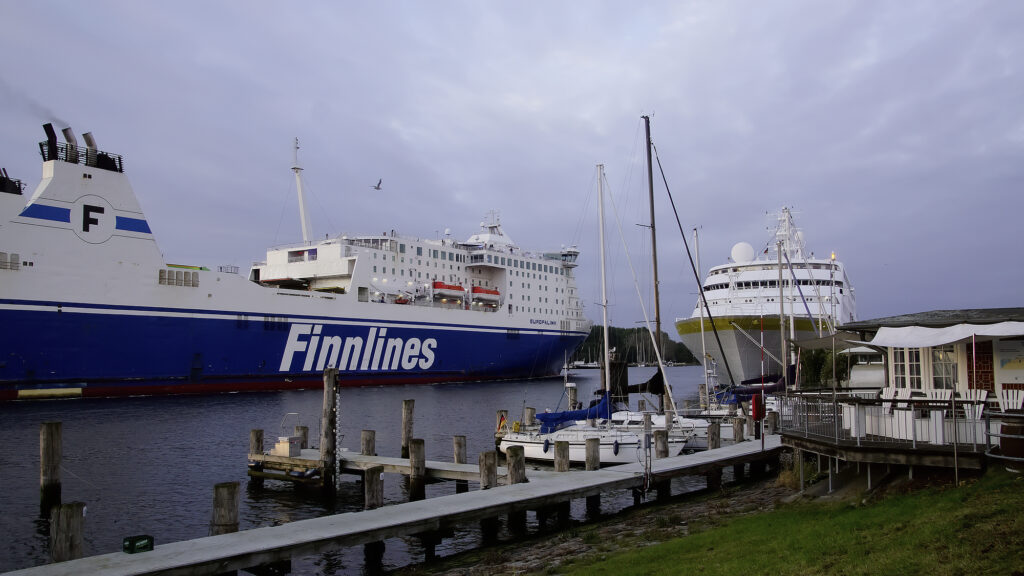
(654,236)
(604,287)
(302,197)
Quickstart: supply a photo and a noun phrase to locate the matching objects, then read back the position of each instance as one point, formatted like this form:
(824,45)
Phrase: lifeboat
(449,290)
(481,293)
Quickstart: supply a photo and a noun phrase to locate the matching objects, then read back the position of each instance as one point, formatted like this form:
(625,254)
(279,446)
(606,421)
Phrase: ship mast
(302,198)
(654,238)
(604,290)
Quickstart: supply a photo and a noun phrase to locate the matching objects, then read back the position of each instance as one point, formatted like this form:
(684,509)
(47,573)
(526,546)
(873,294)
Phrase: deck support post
(373,487)
(50,454)
(407,407)
(798,460)
(66,526)
(459,450)
(714,478)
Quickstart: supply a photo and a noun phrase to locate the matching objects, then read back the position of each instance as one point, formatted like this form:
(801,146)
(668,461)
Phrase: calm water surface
(148,465)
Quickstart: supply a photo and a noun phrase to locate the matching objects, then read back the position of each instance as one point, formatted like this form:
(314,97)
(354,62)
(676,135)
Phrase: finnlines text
(375,352)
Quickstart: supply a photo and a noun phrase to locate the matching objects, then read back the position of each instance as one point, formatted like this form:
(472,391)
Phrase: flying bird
(377,187)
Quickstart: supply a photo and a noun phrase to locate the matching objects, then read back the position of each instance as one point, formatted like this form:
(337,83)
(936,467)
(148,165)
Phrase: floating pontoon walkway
(240,550)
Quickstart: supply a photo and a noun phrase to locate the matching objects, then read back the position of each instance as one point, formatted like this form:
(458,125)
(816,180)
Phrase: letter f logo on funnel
(93,219)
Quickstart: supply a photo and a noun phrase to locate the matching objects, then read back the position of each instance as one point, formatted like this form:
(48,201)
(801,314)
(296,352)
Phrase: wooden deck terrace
(258,546)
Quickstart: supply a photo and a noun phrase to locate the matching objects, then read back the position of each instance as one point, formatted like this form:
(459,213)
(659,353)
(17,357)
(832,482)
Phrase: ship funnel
(51,142)
(69,136)
(90,149)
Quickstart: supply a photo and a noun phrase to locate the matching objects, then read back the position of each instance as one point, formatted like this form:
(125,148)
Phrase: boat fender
(515,426)
(615,448)
(547,444)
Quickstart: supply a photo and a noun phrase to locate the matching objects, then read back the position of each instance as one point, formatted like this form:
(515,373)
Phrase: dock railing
(892,418)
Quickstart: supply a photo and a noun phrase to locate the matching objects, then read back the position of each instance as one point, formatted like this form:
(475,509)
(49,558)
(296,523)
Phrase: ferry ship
(89,306)
(746,303)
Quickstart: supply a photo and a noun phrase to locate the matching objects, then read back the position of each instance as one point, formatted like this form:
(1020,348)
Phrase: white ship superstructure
(746,301)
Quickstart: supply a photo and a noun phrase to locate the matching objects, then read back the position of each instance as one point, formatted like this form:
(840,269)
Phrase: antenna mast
(302,198)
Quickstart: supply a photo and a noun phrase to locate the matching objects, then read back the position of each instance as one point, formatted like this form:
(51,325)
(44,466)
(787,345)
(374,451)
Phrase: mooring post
(593,462)
(373,487)
(368,443)
(516,475)
(50,454)
(256,448)
(329,430)
(488,479)
(571,391)
(737,429)
(407,406)
(225,509)
(561,456)
(488,469)
(529,416)
(256,441)
(417,469)
(303,433)
(715,434)
(663,487)
(67,522)
(459,457)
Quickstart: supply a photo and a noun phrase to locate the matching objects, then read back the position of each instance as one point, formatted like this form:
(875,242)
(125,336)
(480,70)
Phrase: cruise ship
(89,306)
(746,302)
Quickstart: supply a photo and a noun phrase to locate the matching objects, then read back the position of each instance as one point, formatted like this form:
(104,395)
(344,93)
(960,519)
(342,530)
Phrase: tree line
(633,345)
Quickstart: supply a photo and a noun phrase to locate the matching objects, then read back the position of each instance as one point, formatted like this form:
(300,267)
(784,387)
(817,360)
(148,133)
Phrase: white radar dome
(742,253)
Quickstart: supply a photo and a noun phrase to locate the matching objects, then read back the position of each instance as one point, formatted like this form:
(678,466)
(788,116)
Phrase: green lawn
(976,528)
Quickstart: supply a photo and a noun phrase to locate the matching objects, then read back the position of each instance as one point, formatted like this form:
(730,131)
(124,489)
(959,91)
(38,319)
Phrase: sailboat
(619,444)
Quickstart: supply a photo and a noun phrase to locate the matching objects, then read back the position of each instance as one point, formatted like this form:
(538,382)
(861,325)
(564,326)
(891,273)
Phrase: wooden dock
(240,550)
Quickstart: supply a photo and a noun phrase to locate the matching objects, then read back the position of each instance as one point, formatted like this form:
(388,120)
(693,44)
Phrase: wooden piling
(459,457)
(329,429)
(256,441)
(368,443)
(529,416)
(714,478)
(67,522)
(407,406)
(417,469)
(738,424)
(661,443)
(373,487)
(488,469)
(571,391)
(303,433)
(516,465)
(714,434)
(225,509)
(50,454)
(516,475)
(593,462)
(561,456)
(771,423)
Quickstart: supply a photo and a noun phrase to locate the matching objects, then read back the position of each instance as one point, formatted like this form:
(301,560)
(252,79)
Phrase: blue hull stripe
(44,212)
(139,354)
(132,225)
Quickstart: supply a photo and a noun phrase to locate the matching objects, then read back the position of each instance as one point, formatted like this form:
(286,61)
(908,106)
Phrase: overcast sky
(894,130)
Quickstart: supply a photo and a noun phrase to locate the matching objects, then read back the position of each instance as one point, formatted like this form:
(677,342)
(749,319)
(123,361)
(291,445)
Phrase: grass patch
(976,528)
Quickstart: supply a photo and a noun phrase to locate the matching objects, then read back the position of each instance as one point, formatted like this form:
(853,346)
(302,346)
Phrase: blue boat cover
(551,421)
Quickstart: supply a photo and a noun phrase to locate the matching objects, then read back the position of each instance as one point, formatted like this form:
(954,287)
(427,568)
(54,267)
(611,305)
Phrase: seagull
(377,187)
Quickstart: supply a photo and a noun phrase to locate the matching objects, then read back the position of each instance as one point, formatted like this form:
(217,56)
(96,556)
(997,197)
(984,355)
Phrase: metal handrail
(75,154)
